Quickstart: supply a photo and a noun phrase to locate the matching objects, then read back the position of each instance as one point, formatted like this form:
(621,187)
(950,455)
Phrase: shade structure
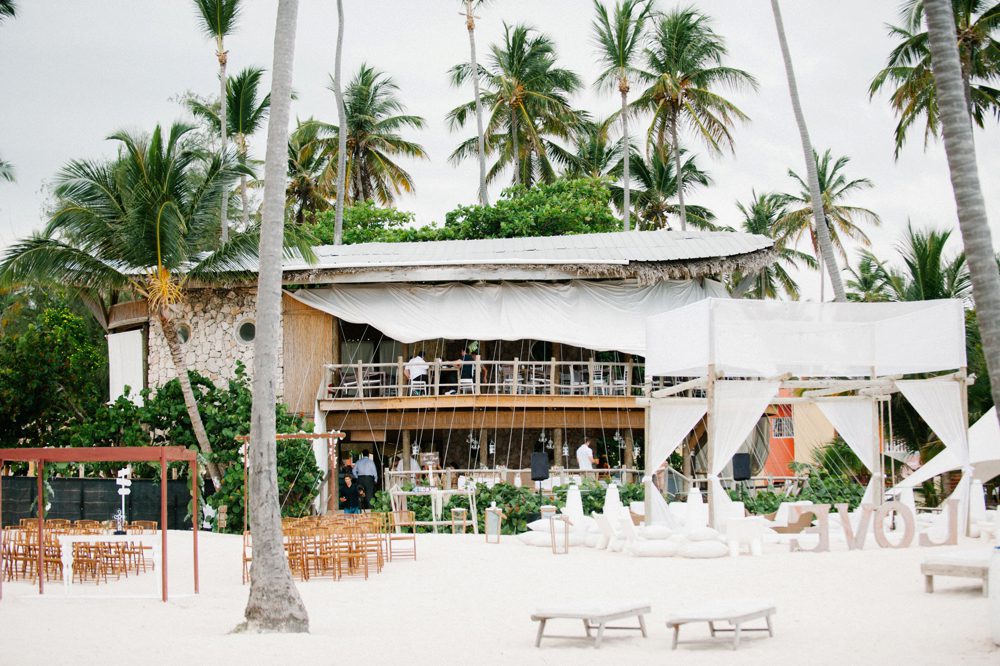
(598,315)
(984,454)
(767,338)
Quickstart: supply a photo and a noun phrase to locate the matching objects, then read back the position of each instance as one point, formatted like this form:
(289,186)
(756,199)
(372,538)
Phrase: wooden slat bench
(735,613)
(594,616)
(964,565)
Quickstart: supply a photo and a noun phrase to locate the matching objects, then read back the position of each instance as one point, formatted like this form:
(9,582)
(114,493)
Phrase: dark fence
(96,499)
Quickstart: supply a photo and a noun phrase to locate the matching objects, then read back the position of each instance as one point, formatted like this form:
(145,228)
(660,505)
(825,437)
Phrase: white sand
(464,601)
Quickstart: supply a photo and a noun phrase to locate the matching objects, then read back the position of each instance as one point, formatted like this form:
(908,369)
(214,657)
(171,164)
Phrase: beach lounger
(958,565)
(594,616)
(733,612)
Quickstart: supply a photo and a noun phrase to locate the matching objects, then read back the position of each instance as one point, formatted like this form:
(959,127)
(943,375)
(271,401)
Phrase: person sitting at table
(467,363)
(350,495)
(416,368)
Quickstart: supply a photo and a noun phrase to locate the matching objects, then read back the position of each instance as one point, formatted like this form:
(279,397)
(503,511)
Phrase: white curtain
(659,510)
(670,420)
(939,403)
(737,407)
(855,421)
(125,365)
(319,447)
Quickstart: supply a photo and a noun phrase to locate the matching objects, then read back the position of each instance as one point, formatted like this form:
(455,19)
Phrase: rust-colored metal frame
(161,454)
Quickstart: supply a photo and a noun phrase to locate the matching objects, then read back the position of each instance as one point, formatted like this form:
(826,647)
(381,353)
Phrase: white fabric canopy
(737,407)
(125,365)
(669,422)
(767,338)
(604,315)
(984,454)
(854,420)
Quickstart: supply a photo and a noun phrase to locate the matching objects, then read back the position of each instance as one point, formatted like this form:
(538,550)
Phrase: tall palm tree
(867,282)
(908,71)
(528,100)
(218,20)
(842,219)
(8,9)
(308,191)
(247,113)
(141,224)
(375,117)
(338,92)
(684,71)
(6,171)
(470,26)
(656,191)
(274,603)
(764,215)
(593,154)
(956,128)
(822,231)
(619,40)
(928,272)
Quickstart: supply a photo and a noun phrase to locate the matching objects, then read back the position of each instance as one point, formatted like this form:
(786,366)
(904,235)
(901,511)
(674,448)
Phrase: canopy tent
(767,338)
(984,454)
(598,315)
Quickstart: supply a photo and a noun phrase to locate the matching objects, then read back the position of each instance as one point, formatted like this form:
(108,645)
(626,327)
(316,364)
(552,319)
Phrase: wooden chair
(148,526)
(113,558)
(459,519)
(87,563)
(403,543)
(247,556)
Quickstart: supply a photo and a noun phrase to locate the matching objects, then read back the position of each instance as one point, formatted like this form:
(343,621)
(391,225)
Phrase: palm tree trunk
(338,227)
(961,150)
(627,203)
(223,121)
(180,367)
(245,199)
(470,23)
(744,285)
(679,173)
(517,147)
(819,219)
(274,604)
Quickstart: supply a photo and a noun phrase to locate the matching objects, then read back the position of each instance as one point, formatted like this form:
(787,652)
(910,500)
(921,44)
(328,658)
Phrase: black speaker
(741,467)
(539,466)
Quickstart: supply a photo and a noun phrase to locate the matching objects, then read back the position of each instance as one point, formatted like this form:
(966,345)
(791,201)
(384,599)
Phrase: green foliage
(758,503)
(364,222)
(823,486)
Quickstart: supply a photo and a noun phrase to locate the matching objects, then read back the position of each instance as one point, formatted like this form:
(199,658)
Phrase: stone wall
(214,315)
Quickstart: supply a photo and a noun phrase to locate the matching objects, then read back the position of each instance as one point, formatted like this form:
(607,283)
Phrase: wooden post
(163,522)
(962,378)
(195,519)
(359,375)
(484,451)
(629,450)
(400,378)
(709,427)
(590,376)
(40,476)
(437,376)
(552,376)
(477,374)
(517,373)
(406,451)
(628,376)
(557,441)
(332,478)
(336,341)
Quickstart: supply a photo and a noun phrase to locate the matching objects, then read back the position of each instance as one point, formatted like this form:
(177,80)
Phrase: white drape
(855,421)
(737,407)
(605,315)
(320,452)
(984,454)
(125,365)
(659,510)
(670,420)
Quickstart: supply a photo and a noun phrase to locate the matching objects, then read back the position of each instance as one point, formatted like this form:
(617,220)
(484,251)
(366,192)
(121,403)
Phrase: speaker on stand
(539,470)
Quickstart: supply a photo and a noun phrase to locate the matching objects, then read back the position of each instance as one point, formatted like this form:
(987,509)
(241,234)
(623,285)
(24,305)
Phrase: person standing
(350,495)
(585,455)
(367,474)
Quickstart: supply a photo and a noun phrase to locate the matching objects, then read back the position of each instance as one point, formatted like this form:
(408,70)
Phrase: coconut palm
(309,188)
(655,196)
(470,26)
(6,171)
(247,113)
(619,40)
(842,219)
(593,154)
(684,72)
(375,117)
(528,100)
(141,224)
(217,20)
(8,9)
(764,215)
(867,282)
(274,603)
(338,92)
(928,271)
(822,231)
(908,76)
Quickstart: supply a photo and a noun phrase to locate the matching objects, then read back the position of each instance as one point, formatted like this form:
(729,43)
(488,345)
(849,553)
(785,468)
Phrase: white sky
(74,71)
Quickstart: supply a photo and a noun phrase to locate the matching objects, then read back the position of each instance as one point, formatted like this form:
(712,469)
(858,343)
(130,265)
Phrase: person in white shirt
(585,456)
(416,368)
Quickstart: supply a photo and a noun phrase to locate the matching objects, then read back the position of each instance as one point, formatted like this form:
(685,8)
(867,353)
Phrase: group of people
(357,483)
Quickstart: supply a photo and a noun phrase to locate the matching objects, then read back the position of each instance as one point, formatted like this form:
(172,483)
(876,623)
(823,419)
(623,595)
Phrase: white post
(710,454)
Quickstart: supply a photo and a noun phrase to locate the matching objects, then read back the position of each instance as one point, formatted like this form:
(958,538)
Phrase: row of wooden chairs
(97,526)
(93,561)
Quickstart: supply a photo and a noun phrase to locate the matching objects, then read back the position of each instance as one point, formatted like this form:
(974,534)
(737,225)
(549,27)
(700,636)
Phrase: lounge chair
(733,612)
(594,616)
(610,538)
(959,565)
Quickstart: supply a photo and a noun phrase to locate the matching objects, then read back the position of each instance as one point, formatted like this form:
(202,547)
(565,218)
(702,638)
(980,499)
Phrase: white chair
(610,539)
(598,381)
(466,385)
(418,387)
(576,384)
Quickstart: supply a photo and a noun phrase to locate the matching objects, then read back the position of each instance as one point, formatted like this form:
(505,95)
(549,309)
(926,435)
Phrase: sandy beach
(466,601)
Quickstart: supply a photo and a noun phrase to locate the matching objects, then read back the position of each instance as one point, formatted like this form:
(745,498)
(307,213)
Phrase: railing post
(513,388)
(590,376)
(552,376)
(437,376)
(400,379)
(478,375)
(628,376)
(360,376)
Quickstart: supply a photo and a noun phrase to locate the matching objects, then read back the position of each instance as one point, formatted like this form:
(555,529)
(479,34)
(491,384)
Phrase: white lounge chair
(610,538)
(734,612)
(594,616)
(959,565)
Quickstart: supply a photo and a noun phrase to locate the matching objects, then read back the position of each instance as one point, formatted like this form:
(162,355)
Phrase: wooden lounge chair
(959,565)
(733,612)
(594,616)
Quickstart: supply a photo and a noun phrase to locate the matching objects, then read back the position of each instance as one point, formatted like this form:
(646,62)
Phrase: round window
(246,332)
(184,332)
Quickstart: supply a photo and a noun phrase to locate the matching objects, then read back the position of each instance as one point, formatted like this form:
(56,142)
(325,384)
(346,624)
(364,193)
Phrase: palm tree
(218,19)
(619,39)
(274,603)
(684,72)
(822,231)
(908,71)
(375,117)
(867,283)
(338,92)
(593,154)
(841,218)
(764,215)
(6,171)
(528,100)
(928,273)
(308,191)
(247,113)
(956,126)
(140,224)
(8,9)
(655,194)
(470,25)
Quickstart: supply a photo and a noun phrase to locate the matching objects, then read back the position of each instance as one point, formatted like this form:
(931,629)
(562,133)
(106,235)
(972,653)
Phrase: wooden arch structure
(150,454)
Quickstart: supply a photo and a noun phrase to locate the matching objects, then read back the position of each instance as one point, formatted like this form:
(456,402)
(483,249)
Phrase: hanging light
(492,447)
(472,442)
(565,450)
(416,450)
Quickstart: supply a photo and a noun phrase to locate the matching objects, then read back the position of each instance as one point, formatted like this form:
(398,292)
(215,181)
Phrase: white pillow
(658,548)
(540,525)
(704,549)
(655,532)
(592,540)
(535,539)
(703,534)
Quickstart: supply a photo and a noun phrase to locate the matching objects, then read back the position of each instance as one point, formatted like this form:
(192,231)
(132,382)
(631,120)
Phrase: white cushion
(703,534)
(540,525)
(655,532)
(658,548)
(535,539)
(592,540)
(703,549)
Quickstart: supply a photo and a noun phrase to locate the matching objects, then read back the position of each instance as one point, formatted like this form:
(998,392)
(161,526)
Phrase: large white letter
(822,513)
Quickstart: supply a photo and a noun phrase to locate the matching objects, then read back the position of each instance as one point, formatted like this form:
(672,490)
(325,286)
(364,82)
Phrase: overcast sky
(74,71)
